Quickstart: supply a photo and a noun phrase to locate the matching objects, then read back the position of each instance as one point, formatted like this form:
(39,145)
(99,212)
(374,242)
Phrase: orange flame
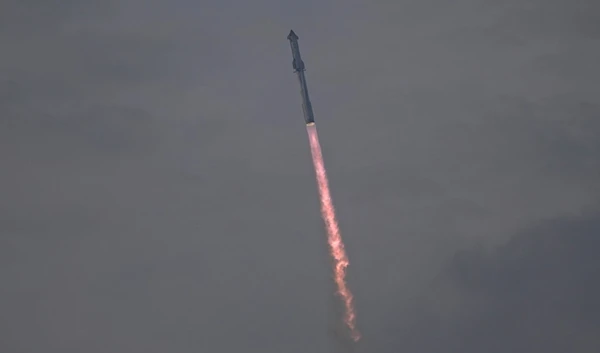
(334,236)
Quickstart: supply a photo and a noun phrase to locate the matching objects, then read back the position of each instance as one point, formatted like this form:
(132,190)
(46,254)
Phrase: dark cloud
(83,134)
(29,17)
(536,293)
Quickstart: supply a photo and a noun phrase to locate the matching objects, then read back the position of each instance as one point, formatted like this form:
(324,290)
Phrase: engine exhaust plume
(334,237)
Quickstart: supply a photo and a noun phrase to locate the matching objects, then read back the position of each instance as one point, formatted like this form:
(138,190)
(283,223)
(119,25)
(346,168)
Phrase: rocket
(298,66)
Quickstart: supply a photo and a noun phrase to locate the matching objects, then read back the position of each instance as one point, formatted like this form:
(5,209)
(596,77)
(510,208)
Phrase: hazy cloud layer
(537,293)
(157,192)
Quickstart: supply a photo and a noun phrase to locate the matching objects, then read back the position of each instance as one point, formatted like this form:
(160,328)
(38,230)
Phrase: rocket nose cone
(292,36)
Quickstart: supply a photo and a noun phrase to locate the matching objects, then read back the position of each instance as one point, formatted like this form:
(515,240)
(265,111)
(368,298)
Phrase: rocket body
(299,69)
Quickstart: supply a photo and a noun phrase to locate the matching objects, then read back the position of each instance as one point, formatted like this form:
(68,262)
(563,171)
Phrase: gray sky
(158,194)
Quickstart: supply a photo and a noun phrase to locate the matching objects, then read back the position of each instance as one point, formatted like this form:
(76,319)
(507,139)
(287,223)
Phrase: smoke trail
(334,236)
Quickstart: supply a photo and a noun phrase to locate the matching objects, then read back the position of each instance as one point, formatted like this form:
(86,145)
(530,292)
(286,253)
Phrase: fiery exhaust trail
(334,237)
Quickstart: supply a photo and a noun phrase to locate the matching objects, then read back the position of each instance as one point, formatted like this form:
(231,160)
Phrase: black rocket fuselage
(299,69)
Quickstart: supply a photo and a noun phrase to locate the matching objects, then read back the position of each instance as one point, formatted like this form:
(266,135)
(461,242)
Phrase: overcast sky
(157,193)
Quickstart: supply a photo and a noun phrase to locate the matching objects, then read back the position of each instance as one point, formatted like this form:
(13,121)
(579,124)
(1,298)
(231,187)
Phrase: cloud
(157,191)
(536,293)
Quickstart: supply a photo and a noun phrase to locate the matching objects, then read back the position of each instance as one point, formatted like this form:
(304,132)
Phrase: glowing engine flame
(334,236)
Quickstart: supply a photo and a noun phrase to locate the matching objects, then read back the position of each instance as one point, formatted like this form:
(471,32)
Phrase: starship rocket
(298,65)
